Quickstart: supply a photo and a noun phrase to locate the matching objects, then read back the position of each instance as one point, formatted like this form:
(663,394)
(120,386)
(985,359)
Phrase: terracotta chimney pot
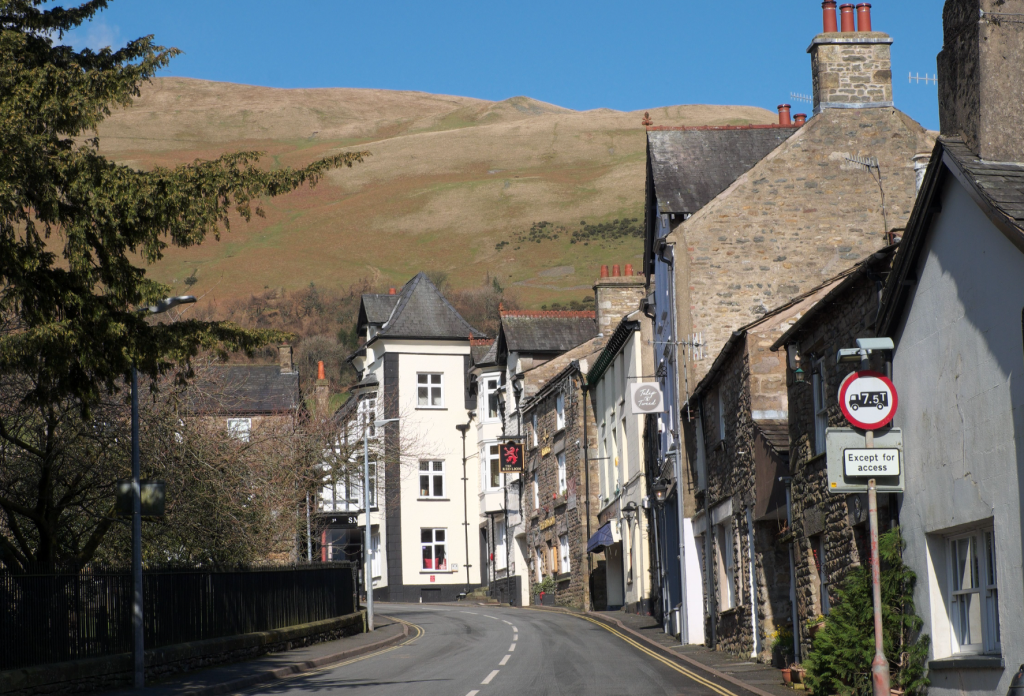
(846,17)
(604,271)
(391,291)
(784,119)
(629,269)
(828,16)
(864,16)
(320,374)
(615,270)
(800,119)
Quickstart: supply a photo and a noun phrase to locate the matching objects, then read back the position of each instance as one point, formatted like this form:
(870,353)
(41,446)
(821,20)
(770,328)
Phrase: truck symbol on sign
(878,399)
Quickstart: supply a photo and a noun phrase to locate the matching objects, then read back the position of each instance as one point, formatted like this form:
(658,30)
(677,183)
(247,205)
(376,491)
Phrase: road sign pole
(879,665)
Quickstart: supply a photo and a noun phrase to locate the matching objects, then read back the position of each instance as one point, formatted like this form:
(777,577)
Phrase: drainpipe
(753,583)
(708,550)
(586,482)
(788,481)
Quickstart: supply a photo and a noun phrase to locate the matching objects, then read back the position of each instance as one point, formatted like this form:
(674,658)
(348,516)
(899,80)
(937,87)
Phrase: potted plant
(781,640)
(787,675)
(541,588)
(797,673)
(815,625)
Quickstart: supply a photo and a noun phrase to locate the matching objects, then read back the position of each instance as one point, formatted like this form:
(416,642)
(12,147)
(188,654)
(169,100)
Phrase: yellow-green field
(450,177)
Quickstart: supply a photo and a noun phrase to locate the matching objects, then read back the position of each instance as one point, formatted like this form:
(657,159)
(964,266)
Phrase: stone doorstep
(746,686)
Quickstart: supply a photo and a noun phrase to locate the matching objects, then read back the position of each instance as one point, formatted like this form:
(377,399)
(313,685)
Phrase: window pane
(424,486)
(990,557)
(969,613)
(439,486)
(422,379)
(426,536)
(495,474)
(438,466)
(424,466)
(442,561)
(439,535)
(435,379)
(492,405)
(428,557)
(421,396)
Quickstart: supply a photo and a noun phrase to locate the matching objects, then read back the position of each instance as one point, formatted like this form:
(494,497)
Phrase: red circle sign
(868,399)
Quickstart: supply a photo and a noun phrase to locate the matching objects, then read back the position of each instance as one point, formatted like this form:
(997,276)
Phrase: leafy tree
(839,661)
(73,223)
(73,229)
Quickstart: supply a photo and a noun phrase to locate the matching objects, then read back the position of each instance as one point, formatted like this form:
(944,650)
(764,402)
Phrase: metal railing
(55,617)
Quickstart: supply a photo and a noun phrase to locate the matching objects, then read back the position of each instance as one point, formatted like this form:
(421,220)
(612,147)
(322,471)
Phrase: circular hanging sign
(868,399)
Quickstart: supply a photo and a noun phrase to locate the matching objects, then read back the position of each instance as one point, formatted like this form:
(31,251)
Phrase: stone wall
(561,514)
(818,514)
(851,68)
(615,297)
(115,671)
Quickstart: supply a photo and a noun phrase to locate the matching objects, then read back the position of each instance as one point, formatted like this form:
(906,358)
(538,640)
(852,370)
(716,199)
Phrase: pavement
(488,650)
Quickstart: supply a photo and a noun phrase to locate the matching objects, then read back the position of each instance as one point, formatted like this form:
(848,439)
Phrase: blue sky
(580,55)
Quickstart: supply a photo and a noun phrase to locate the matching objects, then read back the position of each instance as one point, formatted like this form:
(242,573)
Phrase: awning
(602,538)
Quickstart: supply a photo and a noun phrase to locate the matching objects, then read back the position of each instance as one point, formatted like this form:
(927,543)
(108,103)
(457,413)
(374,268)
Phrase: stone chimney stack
(616,296)
(323,393)
(851,68)
(284,352)
(981,77)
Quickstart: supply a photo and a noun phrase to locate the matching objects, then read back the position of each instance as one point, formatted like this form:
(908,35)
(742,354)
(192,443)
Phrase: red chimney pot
(800,119)
(629,269)
(604,271)
(864,16)
(846,17)
(615,270)
(320,374)
(391,291)
(784,119)
(828,16)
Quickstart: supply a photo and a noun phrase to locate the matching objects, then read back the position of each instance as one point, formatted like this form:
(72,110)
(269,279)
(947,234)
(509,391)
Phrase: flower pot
(797,674)
(787,676)
(895,692)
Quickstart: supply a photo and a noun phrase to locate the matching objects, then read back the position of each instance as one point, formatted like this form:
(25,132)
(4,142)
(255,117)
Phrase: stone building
(737,420)
(829,532)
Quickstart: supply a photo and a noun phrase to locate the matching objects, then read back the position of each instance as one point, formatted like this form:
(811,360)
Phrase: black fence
(69,616)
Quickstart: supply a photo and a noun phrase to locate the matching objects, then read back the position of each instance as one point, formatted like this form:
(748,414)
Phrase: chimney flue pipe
(784,119)
(629,270)
(828,16)
(615,270)
(864,16)
(799,119)
(846,17)
(604,271)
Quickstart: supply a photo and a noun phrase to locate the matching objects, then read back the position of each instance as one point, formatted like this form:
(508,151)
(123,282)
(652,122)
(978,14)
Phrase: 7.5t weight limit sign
(868,399)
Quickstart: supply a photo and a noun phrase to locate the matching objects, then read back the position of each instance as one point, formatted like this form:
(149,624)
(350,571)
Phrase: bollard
(1017,685)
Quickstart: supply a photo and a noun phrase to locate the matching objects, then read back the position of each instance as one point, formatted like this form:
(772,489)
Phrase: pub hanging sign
(511,458)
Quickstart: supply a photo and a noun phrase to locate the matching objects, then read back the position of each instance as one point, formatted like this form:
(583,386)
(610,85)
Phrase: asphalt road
(495,651)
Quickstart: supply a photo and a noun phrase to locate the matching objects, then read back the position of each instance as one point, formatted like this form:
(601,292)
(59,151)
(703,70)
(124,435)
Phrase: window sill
(437,572)
(962,661)
(727,612)
(563,577)
(437,500)
(431,408)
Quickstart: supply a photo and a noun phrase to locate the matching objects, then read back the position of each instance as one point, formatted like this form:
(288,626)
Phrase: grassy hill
(454,184)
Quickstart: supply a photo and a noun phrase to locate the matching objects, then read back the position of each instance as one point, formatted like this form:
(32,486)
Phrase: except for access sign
(868,399)
(871,463)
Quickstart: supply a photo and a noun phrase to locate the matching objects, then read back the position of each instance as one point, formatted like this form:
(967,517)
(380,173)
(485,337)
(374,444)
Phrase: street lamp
(368,572)
(660,490)
(464,428)
(138,646)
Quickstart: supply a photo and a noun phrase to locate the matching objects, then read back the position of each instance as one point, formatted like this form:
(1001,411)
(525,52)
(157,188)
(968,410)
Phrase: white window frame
(536,492)
(240,428)
(435,469)
(563,548)
(375,554)
(985,591)
(534,435)
(367,415)
(559,412)
(818,547)
(490,392)
(434,544)
(818,387)
(491,457)
(500,550)
(433,396)
(563,484)
(539,563)
(725,565)
(721,414)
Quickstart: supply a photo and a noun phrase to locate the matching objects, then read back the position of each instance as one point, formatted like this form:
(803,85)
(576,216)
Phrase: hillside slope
(454,184)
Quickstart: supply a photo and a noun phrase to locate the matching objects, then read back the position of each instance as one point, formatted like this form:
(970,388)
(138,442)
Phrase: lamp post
(464,428)
(138,643)
(368,572)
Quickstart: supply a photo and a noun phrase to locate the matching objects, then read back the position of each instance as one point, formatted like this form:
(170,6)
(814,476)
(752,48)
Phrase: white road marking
(487,615)
(515,636)
(504,661)
(512,647)
(465,612)
(490,676)
(474,692)
(514,629)
(503,620)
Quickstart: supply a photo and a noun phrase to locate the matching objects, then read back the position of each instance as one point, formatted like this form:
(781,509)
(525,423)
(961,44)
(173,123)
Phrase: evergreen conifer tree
(839,661)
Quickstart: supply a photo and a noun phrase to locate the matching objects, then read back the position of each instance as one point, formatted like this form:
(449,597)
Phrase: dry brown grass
(449,178)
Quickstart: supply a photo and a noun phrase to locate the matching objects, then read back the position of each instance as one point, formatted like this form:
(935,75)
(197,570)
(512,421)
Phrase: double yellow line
(650,653)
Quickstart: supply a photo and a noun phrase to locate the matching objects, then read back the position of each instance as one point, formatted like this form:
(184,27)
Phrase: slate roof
(776,432)
(246,390)
(376,309)
(689,166)
(484,352)
(538,379)
(545,332)
(997,189)
(421,311)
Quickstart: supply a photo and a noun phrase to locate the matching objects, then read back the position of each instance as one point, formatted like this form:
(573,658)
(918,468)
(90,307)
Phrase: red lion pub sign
(512,458)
